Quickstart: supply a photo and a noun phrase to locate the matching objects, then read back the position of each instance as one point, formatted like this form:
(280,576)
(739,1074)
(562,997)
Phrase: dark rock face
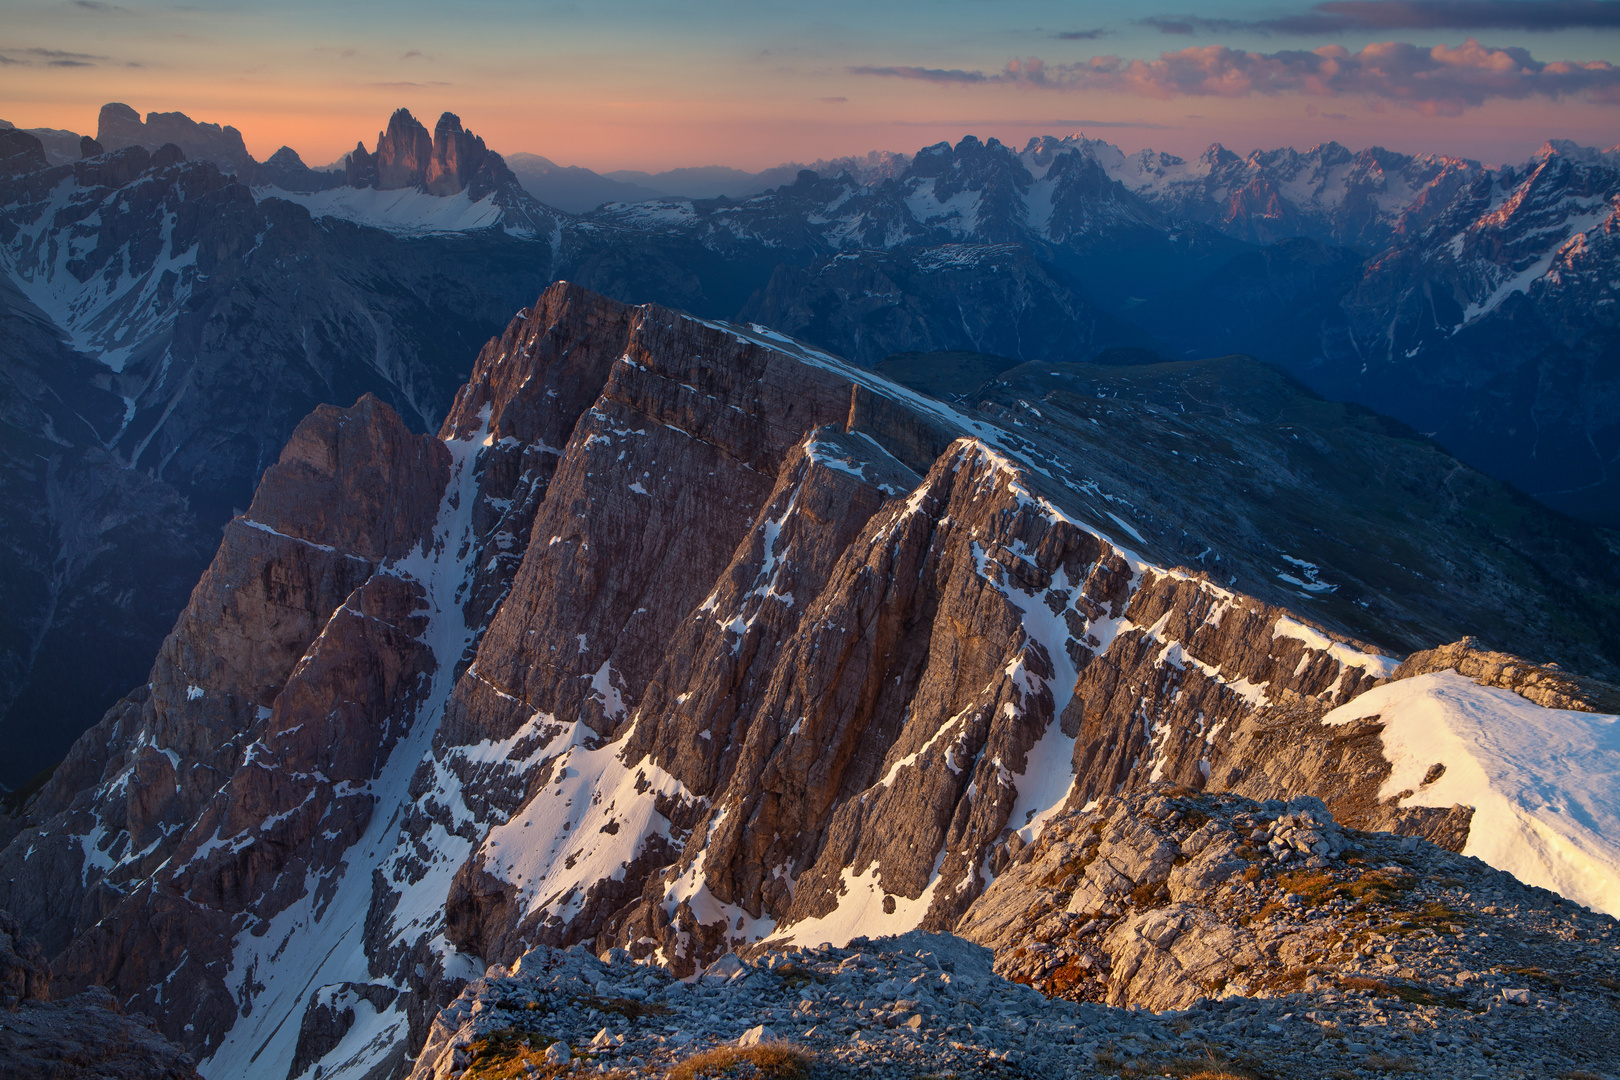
(84,1035)
(20,152)
(119,126)
(286,170)
(24,973)
(972,298)
(203,833)
(88,1036)
(97,558)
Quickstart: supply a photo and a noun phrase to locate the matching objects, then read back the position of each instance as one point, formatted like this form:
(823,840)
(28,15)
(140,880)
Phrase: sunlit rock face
(686,638)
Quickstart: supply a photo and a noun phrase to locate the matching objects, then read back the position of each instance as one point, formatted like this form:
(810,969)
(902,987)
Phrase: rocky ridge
(1457,970)
(682,637)
(1054,241)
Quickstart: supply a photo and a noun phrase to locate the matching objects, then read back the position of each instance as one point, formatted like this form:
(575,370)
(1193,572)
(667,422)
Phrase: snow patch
(1544,783)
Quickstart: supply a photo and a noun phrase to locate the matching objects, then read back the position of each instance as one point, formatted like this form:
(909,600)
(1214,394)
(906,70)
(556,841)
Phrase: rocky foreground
(1302,951)
(86,1035)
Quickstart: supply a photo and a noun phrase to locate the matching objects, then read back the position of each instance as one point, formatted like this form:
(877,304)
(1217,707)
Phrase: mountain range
(683,638)
(417,586)
(1479,318)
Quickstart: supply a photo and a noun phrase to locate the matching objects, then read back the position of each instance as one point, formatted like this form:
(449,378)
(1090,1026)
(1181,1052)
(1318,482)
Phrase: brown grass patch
(796,976)
(1372,986)
(1548,979)
(1288,981)
(1312,886)
(508,1054)
(1065,979)
(769,1061)
(628,1008)
(1380,886)
(1411,993)
(1150,895)
(1209,1067)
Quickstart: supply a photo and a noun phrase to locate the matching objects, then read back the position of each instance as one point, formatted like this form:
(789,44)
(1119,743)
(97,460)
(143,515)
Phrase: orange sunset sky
(643,85)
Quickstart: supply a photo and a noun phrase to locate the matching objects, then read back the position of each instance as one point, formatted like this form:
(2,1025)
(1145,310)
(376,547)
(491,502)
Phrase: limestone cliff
(681,637)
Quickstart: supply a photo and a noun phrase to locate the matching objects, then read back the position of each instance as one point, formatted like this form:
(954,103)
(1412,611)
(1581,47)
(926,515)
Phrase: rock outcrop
(929,1004)
(119,126)
(1547,685)
(1164,899)
(445,162)
(24,973)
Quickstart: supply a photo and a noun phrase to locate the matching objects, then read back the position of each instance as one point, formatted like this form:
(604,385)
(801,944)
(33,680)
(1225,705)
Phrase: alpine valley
(917,610)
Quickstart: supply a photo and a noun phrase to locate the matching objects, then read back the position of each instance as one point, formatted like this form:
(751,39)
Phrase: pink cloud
(1441,80)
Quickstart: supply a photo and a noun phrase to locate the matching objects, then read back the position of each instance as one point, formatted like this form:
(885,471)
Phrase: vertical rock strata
(679,637)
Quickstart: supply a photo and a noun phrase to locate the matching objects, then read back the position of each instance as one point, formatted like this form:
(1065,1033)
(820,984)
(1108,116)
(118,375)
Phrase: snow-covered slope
(112,301)
(405,211)
(1544,783)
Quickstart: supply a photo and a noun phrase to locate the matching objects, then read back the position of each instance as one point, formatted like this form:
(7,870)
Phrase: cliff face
(119,126)
(198,806)
(407,156)
(680,637)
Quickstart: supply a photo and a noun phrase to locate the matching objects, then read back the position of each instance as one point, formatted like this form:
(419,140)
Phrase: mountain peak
(119,125)
(1571,150)
(407,156)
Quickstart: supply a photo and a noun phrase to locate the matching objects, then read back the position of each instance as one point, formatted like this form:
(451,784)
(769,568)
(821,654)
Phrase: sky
(646,84)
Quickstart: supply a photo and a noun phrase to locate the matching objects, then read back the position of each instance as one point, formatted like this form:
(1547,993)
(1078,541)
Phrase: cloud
(938,75)
(1081,35)
(1441,80)
(1346,16)
(407,85)
(51,58)
(834,100)
(58,54)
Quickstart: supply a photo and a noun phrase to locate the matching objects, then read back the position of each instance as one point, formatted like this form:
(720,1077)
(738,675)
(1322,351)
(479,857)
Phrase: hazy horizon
(640,84)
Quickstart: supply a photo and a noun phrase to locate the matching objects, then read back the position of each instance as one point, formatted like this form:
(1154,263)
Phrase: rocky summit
(1447,969)
(689,673)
